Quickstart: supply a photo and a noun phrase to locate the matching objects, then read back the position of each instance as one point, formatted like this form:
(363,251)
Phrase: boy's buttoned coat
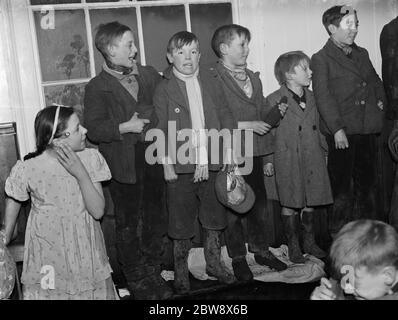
(389,50)
(171,104)
(300,154)
(107,104)
(244,108)
(347,91)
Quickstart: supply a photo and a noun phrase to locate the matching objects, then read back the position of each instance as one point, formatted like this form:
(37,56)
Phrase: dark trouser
(352,175)
(393,214)
(140,218)
(187,200)
(257,218)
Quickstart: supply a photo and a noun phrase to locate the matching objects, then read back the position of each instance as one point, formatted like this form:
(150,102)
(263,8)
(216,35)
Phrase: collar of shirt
(119,75)
(238,73)
(297,98)
(345,48)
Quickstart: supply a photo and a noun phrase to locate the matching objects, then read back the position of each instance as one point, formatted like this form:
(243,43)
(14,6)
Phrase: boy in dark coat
(389,50)
(117,111)
(299,161)
(244,93)
(189,100)
(350,98)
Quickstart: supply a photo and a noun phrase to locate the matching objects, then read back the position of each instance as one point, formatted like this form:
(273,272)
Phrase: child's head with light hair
(365,252)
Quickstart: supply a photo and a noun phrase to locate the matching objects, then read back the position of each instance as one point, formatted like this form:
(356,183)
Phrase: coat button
(314,127)
(299,128)
(363,102)
(177,110)
(364,84)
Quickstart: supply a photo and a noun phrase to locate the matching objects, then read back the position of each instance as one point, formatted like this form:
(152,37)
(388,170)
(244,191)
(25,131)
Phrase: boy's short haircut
(180,39)
(286,64)
(364,243)
(225,34)
(333,16)
(106,34)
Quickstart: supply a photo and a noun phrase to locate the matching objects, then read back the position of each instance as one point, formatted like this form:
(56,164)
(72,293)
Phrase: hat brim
(247,204)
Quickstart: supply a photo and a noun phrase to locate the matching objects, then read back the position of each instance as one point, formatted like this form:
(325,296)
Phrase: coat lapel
(231,83)
(175,93)
(174,89)
(337,55)
(121,94)
(310,104)
(206,98)
(293,106)
(254,78)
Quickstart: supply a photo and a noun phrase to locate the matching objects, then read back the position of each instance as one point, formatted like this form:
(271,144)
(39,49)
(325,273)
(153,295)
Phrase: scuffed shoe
(182,284)
(212,253)
(309,244)
(266,258)
(222,275)
(241,269)
(152,287)
(313,249)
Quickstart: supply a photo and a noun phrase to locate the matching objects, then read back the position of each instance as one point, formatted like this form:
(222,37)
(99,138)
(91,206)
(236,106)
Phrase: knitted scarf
(199,137)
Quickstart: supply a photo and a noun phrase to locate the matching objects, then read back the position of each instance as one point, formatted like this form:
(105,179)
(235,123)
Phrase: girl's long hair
(44,123)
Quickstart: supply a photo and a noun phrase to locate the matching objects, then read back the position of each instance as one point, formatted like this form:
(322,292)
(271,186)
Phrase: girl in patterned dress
(65,255)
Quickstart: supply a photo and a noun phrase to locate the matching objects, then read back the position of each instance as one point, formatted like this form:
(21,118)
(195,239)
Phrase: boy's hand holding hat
(233,192)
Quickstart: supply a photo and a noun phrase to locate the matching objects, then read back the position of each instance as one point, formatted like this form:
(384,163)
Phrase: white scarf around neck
(194,93)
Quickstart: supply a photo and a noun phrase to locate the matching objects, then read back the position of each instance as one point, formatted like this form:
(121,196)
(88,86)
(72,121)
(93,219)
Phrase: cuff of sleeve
(116,132)
(337,125)
(269,158)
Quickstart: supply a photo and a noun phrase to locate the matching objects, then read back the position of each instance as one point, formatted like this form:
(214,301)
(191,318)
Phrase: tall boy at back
(349,95)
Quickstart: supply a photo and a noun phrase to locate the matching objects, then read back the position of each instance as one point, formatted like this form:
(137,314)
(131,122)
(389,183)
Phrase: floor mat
(311,270)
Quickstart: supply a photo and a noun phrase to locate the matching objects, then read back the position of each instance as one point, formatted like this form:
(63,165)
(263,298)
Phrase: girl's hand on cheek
(70,161)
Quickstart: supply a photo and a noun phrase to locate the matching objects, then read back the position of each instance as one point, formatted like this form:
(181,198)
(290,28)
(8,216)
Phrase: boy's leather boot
(241,269)
(212,252)
(181,272)
(266,258)
(150,286)
(291,231)
(309,244)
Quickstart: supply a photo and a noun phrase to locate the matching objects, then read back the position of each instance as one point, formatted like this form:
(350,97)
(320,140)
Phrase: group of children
(126,99)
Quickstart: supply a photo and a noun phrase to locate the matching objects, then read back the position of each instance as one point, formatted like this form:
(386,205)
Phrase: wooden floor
(255,290)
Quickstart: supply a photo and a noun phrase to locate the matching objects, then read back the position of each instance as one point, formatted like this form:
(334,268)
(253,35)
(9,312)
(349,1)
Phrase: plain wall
(278,26)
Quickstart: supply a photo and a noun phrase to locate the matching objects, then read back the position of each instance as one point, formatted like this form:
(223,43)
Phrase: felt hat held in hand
(233,192)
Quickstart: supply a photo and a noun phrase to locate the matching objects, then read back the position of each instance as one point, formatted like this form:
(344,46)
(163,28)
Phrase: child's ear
(390,275)
(223,48)
(332,28)
(170,58)
(111,51)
